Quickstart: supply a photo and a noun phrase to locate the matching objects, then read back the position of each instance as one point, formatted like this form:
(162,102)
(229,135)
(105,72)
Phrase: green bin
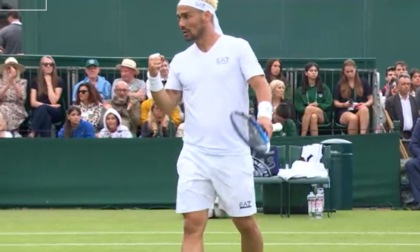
(341,173)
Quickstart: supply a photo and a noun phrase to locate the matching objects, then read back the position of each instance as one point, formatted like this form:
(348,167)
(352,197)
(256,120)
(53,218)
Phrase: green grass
(161,231)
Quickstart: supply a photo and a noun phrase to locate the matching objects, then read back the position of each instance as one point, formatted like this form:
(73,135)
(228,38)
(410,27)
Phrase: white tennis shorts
(202,176)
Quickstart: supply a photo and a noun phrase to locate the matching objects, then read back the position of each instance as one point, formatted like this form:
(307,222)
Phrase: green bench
(294,153)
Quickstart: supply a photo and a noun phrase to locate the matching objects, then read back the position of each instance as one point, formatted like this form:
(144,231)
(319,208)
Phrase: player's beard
(197,35)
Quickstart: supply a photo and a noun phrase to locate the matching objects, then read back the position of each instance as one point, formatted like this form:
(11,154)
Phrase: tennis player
(212,76)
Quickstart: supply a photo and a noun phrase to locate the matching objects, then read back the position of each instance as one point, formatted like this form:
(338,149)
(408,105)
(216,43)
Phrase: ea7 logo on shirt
(222,60)
(244,204)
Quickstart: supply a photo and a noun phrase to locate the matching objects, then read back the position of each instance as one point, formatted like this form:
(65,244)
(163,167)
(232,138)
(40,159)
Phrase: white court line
(208,233)
(147,244)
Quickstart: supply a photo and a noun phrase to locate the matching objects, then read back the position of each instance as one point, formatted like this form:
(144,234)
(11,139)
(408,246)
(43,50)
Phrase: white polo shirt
(214,84)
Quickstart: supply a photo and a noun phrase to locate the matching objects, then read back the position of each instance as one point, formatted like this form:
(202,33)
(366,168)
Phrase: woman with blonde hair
(278,89)
(45,99)
(158,124)
(352,99)
(12,94)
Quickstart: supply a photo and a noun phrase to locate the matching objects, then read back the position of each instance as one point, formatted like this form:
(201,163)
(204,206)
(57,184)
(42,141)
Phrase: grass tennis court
(160,231)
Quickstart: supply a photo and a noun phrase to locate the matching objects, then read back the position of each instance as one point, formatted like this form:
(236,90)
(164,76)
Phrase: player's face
(191,22)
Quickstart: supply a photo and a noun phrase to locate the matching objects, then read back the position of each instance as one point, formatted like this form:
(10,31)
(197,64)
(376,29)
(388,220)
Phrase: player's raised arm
(168,99)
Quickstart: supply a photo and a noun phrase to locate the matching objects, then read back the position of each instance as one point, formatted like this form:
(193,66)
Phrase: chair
(295,154)
(267,182)
(323,127)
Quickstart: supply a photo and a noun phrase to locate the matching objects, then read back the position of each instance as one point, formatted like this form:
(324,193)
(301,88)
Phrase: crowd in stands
(125,108)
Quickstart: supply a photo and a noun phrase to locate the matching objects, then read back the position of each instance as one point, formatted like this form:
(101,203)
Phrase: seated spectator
(92,109)
(402,107)
(413,165)
(3,128)
(277,93)
(389,76)
(129,71)
(415,81)
(392,89)
(176,116)
(313,100)
(400,67)
(282,115)
(127,107)
(164,72)
(45,98)
(274,71)
(75,127)
(113,127)
(12,94)
(352,99)
(92,77)
(157,124)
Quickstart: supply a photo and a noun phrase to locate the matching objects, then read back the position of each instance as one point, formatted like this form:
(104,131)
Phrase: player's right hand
(155,62)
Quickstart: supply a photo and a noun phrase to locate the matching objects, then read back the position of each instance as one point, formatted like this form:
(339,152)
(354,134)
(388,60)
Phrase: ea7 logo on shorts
(222,60)
(244,204)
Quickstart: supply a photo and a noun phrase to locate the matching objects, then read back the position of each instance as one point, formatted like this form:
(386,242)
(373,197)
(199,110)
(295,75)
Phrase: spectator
(389,76)
(92,77)
(400,67)
(91,109)
(164,72)
(75,127)
(282,115)
(352,99)
(113,127)
(274,71)
(277,93)
(145,107)
(129,71)
(392,90)
(3,130)
(45,99)
(313,100)
(127,107)
(157,124)
(12,94)
(415,82)
(11,35)
(402,107)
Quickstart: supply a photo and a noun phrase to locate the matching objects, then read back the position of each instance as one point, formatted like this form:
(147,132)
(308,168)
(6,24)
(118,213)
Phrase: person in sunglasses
(45,98)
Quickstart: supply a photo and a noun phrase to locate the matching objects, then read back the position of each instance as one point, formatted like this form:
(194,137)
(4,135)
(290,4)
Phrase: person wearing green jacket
(282,115)
(313,100)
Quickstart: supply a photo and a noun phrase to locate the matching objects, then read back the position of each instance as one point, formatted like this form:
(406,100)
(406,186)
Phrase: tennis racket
(250,132)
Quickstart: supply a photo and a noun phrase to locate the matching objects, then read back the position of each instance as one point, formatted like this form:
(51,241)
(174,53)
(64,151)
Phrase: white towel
(311,167)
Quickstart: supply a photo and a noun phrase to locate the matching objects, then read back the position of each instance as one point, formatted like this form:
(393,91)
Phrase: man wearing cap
(129,71)
(214,160)
(92,76)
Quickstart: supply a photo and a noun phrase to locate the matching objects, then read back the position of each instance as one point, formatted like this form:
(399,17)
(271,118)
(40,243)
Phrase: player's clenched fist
(155,62)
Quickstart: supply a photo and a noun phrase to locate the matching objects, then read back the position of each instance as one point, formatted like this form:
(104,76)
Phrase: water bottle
(319,203)
(311,204)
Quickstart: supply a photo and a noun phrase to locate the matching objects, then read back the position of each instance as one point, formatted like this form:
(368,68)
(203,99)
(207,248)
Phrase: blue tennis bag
(267,164)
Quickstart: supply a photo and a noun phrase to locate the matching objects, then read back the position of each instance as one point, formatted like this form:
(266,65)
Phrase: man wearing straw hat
(212,77)
(129,71)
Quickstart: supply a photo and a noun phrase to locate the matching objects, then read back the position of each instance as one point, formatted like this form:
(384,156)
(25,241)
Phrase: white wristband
(265,109)
(155,83)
